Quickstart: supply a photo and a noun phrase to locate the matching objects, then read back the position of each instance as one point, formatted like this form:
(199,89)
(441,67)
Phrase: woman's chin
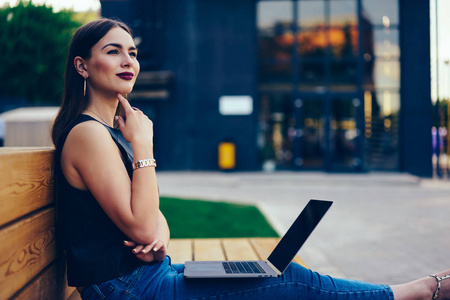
(124,91)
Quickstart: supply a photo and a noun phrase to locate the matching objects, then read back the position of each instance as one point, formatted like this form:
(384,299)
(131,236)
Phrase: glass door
(328,83)
(344,134)
(276,131)
(311,145)
(328,136)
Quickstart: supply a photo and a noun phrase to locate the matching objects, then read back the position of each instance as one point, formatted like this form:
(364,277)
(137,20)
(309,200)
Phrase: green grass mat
(205,219)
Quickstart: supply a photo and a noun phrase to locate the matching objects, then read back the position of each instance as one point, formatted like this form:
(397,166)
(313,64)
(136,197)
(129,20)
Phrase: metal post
(438,143)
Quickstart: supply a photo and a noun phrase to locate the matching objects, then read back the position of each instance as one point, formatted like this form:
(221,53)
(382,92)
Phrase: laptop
(278,260)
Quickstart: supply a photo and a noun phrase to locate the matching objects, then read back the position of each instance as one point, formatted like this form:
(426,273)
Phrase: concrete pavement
(383,227)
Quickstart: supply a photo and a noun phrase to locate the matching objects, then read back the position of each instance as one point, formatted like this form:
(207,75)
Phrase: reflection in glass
(381,115)
(312,43)
(344,75)
(330,51)
(381,12)
(386,43)
(343,41)
(367,43)
(343,13)
(275,73)
(313,141)
(311,14)
(276,125)
(343,134)
(275,37)
(312,76)
(274,12)
(386,74)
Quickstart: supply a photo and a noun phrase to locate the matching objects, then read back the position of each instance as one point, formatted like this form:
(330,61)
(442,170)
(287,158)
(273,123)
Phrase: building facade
(330,85)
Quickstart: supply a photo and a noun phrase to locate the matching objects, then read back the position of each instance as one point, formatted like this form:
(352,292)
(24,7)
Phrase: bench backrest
(29,263)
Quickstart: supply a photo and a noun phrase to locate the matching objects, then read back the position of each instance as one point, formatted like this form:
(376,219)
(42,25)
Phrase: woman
(115,235)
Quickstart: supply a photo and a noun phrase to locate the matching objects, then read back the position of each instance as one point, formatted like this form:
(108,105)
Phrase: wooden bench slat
(208,249)
(27,247)
(264,246)
(25,149)
(26,182)
(239,249)
(180,250)
(48,286)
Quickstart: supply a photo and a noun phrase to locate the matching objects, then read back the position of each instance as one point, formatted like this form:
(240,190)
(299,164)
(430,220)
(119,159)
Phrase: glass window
(380,12)
(343,13)
(311,14)
(275,36)
(381,129)
(386,43)
(277,48)
(275,73)
(343,41)
(331,58)
(276,124)
(312,76)
(367,44)
(386,74)
(389,103)
(343,133)
(276,76)
(312,43)
(313,132)
(273,12)
(344,75)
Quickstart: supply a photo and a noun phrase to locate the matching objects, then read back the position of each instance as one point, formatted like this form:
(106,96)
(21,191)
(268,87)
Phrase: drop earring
(84,89)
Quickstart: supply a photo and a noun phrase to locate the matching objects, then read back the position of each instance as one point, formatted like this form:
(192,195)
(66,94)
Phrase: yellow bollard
(227,156)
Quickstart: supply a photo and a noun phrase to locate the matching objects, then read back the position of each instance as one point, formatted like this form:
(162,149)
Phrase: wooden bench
(30,265)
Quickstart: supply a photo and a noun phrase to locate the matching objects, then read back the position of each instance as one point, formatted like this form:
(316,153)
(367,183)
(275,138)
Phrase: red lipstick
(126,75)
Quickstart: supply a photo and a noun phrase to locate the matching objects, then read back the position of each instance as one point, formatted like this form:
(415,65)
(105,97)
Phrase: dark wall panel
(415,88)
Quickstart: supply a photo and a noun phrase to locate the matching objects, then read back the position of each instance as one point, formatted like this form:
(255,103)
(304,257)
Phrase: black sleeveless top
(93,243)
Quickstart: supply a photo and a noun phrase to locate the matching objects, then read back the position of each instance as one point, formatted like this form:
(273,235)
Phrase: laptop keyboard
(242,267)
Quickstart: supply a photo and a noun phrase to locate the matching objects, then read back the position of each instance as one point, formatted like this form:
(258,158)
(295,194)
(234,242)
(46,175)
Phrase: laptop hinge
(274,268)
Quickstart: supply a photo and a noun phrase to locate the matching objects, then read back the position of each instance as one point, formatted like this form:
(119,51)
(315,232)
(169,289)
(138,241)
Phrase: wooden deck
(181,250)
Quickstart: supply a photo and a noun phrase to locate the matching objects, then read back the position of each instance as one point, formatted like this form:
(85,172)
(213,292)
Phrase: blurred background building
(327,85)
(334,85)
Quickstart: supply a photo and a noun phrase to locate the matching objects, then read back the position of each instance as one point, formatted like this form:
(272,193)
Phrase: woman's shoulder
(89,131)
(77,127)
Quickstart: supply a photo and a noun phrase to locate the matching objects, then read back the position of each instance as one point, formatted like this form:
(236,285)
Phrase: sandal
(438,281)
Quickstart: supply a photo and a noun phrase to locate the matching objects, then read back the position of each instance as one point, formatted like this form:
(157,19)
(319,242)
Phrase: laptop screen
(299,232)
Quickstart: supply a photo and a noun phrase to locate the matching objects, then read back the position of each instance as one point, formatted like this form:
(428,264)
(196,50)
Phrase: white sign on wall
(235,105)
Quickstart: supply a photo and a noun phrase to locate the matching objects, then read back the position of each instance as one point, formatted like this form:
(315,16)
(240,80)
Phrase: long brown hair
(74,102)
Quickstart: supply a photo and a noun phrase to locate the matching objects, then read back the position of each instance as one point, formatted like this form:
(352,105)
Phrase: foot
(442,285)
(423,289)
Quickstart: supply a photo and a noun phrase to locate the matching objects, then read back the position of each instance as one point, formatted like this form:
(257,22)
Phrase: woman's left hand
(155,251)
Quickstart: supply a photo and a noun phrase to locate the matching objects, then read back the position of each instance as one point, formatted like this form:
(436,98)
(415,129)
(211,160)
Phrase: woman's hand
(134,125)
(155,251)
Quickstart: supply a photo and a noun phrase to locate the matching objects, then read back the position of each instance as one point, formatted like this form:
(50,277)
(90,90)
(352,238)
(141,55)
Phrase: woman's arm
(91,161)
(162,229)
(156,250)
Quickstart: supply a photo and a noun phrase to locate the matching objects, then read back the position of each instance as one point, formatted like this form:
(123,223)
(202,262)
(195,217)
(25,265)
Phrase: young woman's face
(113,65)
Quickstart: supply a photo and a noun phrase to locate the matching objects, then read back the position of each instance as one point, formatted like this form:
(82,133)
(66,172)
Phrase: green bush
(33,46)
